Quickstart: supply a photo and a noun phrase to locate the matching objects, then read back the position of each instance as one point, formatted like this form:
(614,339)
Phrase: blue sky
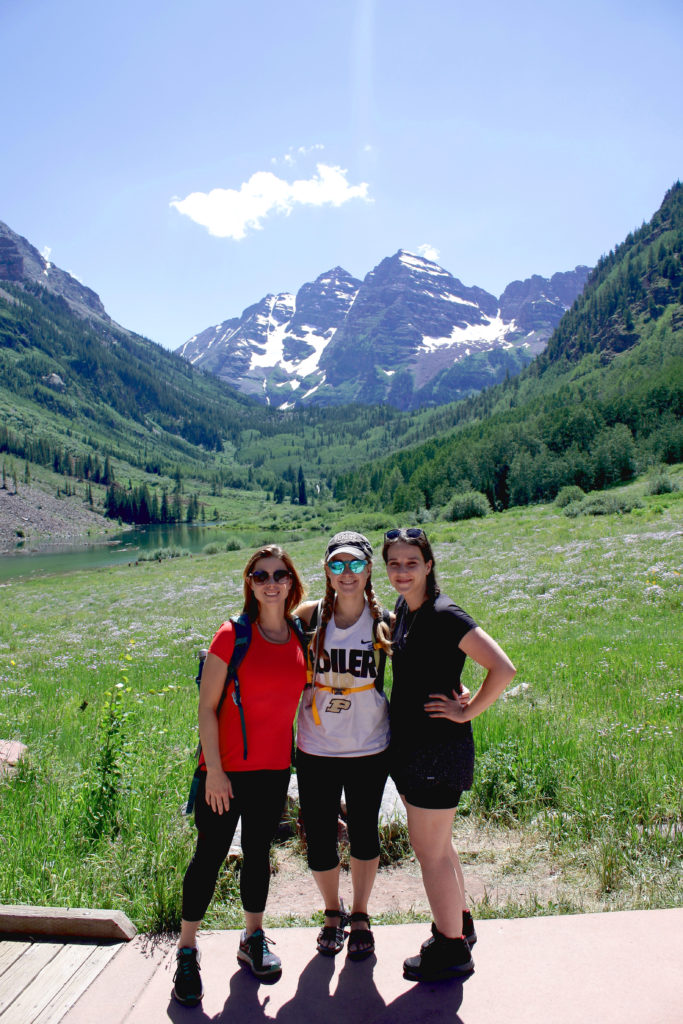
(186,159)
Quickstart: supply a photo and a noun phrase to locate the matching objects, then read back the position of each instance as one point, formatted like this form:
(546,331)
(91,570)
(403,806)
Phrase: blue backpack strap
(242,627)
(299,631)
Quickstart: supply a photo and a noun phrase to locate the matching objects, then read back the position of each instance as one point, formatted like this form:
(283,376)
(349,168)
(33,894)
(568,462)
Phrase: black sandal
(333,935)
(361,940)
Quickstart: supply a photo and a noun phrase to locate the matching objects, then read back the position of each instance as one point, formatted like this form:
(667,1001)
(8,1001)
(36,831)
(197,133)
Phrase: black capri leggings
(258,801)
(321,780)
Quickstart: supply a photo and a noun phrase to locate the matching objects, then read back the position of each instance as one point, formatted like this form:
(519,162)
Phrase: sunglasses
(412,532)
(355,565)
(261,577)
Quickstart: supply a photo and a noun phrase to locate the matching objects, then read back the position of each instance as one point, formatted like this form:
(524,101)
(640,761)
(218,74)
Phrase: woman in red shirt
(239,783)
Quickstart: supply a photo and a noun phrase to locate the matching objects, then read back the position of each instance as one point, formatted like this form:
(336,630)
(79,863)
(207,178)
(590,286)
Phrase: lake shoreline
(39,518)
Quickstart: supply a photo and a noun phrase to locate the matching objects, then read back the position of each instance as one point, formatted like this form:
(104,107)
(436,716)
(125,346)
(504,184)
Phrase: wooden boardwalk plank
(46,985)
(27,967)
(81,980)
(11,951)
(75,922)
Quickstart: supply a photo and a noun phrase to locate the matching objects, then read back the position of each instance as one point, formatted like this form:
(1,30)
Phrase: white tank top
(354,724)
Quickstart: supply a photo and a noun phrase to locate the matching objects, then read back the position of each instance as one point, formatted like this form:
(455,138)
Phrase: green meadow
(96,678)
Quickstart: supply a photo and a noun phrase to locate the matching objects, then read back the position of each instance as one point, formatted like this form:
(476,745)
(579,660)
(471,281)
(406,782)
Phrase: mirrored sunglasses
(260,576)
(412,532)
(355,565)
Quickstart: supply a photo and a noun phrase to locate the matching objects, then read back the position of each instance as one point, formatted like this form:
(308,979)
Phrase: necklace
(403,639)
(272,638)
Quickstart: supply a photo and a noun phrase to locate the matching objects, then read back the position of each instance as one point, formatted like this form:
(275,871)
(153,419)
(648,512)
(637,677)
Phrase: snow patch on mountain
(492,332)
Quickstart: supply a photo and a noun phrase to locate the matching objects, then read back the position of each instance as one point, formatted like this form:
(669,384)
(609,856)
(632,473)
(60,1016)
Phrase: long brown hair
(296,591)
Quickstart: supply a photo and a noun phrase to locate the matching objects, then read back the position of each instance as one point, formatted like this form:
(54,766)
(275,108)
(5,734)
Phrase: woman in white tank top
(343,736)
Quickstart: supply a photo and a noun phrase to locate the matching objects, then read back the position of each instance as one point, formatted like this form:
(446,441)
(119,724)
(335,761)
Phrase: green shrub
(159,554)
(468,505)
(234,544)
(661,483)
(211,549)
(513,781)
(569,494)
(602,505)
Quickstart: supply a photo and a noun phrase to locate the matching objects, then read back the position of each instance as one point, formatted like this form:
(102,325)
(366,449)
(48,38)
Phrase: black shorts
(433,798)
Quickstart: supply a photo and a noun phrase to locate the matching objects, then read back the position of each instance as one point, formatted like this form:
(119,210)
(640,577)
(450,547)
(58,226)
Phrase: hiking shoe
(439,959)
(467,930)
(253,950)
(187,985)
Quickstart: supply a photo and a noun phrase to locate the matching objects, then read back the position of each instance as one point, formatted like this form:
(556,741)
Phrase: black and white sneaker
(253,950)
(439,959)
(187,985)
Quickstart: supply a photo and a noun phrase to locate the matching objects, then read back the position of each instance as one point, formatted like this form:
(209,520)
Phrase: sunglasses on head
(260,576)
(355,565)
(412,532)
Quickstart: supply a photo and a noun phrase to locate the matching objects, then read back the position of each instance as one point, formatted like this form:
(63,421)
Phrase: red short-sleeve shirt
(271,678)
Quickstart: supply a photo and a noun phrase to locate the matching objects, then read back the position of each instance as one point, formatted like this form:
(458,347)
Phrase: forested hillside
(602,401)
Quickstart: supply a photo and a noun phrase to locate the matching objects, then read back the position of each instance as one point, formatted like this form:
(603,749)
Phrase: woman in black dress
(432,750)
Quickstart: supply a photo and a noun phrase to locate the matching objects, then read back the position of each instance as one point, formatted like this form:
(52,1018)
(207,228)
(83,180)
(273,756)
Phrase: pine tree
(303,498)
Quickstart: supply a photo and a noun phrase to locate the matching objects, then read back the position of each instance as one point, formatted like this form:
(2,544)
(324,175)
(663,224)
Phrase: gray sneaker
(253,950)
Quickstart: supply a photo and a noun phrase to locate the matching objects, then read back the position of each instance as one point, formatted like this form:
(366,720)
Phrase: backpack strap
(299,631)
(242,626)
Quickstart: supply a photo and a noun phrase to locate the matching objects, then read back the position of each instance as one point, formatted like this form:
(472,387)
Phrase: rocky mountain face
(410,334)
(21,263)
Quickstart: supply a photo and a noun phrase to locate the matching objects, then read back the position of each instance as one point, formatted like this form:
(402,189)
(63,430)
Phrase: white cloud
(429,252)
(230,213)
(294,152)
(46,253)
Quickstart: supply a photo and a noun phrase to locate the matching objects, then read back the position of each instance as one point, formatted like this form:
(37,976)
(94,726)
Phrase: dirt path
(501,866)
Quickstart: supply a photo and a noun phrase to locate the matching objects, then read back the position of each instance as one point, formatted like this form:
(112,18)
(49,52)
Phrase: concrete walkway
(620,968)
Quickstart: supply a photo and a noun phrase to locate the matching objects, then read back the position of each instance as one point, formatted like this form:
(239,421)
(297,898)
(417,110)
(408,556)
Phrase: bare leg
(328,885)
(455,860)
(430,835)
(363,874)
(188,934)
(252,922)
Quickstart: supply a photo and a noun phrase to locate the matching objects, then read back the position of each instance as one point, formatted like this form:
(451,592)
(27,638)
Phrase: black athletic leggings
(259,799)
(321,780)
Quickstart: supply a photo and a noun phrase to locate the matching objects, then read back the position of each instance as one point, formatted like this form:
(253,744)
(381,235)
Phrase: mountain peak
(21,263)
(391,337)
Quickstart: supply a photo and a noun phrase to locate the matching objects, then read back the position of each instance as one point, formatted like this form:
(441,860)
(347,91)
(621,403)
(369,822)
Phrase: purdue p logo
(338,704)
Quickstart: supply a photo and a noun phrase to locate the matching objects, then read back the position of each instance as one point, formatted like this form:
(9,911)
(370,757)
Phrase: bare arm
(479,646)
(305,612)
(218,785)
